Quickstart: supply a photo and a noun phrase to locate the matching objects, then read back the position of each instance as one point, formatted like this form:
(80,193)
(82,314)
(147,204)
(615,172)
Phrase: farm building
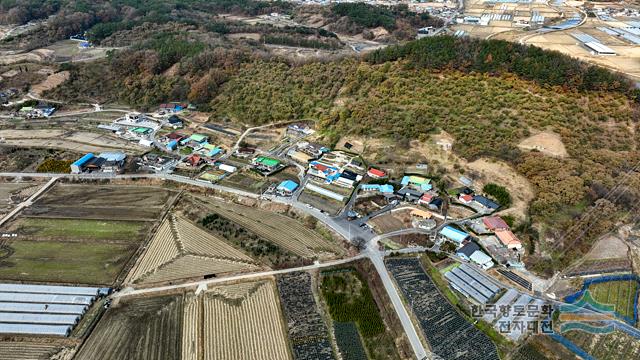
(175,122)
(78,166)
(376,174)
(323,171)
(417,181)
(481,259)
(421,214)
(146,142)
(244,152)
(210,150)
(425,199)
(410,194)
(599,49)
(172,145)
(193,160)
(486,203)
(465,198)
(198,138)
(451,233)
(227,168)
(385,189)
(299,156)
(467,250)
(435,204)
(472,284)
(113,161)
(265,164)
(495,223)
(324,192)
(508,239)
(287,187)
(172,107)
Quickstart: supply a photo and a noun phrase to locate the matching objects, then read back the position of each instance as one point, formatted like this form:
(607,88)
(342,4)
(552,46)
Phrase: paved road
(27,202)
(132,292)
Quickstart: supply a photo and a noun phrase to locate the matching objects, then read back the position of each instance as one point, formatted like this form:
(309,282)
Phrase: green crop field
(82,229)
(64,262)
(349,300)
(620,294)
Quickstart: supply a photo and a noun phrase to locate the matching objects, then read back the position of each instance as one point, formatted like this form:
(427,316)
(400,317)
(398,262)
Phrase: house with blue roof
(453,234)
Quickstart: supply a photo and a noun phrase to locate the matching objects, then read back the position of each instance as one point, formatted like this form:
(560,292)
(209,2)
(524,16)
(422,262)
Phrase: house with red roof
(495,223)
(465,198)
(376,173)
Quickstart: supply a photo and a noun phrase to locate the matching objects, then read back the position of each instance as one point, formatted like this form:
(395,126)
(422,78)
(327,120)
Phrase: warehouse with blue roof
(79,164)
(287,187)
(454,234)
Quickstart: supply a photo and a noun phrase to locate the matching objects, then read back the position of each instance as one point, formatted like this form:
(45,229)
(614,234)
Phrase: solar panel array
(516,279)
(472,283)
(43,309)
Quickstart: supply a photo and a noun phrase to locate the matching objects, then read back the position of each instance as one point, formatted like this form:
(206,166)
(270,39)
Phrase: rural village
(167,233)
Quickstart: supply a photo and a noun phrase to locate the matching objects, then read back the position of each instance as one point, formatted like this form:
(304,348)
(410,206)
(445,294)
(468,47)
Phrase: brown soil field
(391,221)
(139,328)
(101,202)
(546,142)
(51,82)
(608,247)
(29,350)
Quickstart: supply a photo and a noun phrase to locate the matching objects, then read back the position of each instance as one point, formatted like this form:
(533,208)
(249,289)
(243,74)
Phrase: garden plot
(448,333)
(279,229)
(243,321)
(181,250)
(308,333)
(139,328)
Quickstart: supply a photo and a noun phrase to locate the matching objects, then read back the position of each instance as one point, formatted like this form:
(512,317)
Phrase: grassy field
(620,294)
(82,229)
(48,261)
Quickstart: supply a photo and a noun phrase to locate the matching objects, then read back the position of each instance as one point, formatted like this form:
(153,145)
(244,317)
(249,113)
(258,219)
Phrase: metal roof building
(480,277)
(599,49)
(288,186)
(454,234)
(45,319)
(113,156)
(49,289)
(61,330)
(43,308)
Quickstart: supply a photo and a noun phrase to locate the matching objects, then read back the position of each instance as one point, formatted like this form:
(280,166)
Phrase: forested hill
(489,95)
(496,56)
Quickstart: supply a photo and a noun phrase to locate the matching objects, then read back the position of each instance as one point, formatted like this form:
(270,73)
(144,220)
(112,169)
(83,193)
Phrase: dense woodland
(489,95)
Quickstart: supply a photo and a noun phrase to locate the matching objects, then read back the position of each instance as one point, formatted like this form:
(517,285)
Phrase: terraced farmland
(308,332)
(181,250)
(450,335)
(27,350)
(144,329)
(244,322)
(280,229)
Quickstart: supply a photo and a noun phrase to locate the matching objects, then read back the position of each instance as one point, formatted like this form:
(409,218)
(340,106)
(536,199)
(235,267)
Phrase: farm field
(23,350)
(308,332)
(614,346)
(181,250)
(279,229)
(391,221)
(64,262)
(449,334)
(620,294)
(81,233)
(80,229)
(7,190)
(349,342)
(349,300)
(246,181)
(138,329)
(101,202)
(243,321)
(318,201)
